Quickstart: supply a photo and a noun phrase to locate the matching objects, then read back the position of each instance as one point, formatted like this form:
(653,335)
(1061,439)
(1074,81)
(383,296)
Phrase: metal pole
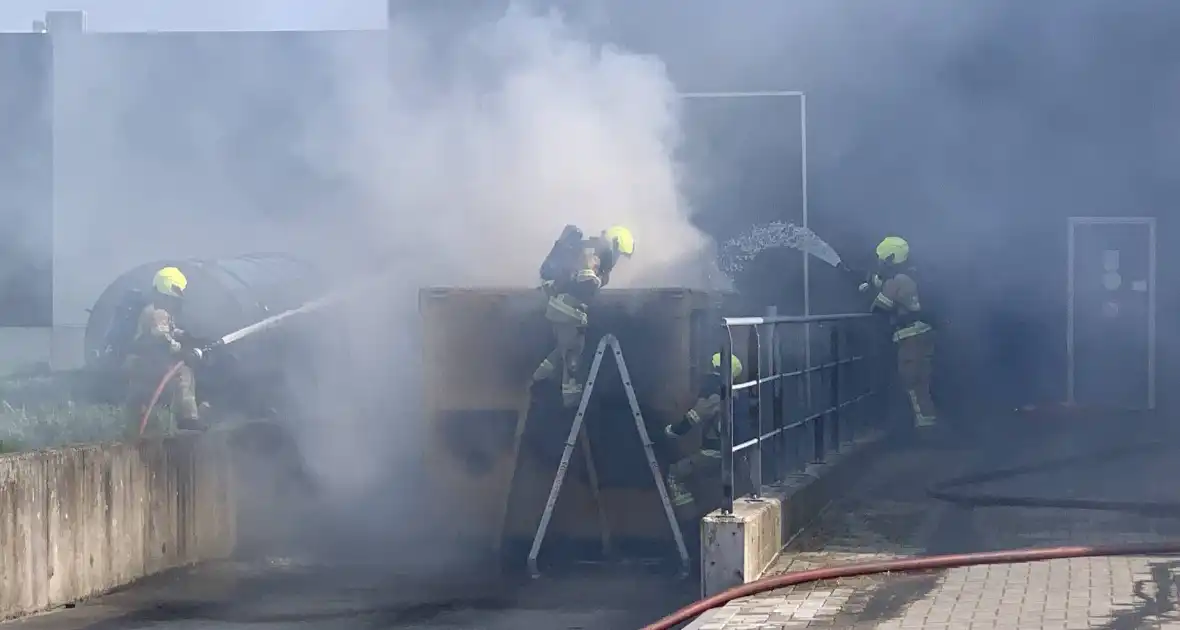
(764,372)
(756,94)
(778,397)
(806,256)
(1069,300)
(1151,359)
(726,423)
(835,394)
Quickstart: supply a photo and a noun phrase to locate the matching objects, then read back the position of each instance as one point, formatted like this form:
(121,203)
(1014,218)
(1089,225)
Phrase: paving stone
(880,523)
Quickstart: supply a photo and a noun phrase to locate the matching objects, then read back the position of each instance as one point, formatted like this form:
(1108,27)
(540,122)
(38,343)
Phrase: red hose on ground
(147,412)
(909,565)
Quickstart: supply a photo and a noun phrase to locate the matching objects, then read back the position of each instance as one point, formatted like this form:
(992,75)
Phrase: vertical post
(806,256)
(1151,314)
(835,386)
(777,393)
(762,332)
(819,434)
(726,422)
(1069,300)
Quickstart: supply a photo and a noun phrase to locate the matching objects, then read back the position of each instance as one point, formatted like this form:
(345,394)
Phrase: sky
(202,15)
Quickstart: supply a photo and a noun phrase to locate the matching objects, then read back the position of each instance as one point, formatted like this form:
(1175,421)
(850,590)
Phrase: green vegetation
(41,409)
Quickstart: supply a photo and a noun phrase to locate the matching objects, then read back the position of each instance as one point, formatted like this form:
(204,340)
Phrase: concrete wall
(79,521)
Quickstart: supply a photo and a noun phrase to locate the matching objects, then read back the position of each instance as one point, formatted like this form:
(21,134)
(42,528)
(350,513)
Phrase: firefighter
(897,294)
(156,346)
(571,275)
(705,463)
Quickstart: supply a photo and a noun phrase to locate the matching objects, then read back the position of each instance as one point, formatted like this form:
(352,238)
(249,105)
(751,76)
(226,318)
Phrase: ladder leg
(518,436)
(592,473)
(641,427)
(563,466)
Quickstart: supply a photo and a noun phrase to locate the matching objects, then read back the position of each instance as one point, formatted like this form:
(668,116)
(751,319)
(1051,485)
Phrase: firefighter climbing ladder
(571,442)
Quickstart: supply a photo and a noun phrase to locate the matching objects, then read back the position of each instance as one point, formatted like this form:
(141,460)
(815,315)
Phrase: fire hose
(242,333)
(943,492)
(909,565)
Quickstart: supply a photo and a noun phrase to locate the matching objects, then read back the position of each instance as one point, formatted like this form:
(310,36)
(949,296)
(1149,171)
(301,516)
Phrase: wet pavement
(890,516)
(278,595)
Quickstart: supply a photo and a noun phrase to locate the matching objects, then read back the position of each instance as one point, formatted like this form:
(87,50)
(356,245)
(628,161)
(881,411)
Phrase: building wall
(134,147)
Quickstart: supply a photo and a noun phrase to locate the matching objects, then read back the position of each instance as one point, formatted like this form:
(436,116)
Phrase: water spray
(741,249)
(257,327)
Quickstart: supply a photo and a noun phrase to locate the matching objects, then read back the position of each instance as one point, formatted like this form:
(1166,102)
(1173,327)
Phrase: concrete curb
(738,548)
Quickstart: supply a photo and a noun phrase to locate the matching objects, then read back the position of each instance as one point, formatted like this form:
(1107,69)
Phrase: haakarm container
(480,349)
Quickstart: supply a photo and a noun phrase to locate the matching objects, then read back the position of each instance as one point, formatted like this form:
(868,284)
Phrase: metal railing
(788,429)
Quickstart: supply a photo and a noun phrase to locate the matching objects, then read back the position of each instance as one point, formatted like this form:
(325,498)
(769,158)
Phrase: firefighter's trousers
(568,318)
(702,467)
(915,357)
(180,394)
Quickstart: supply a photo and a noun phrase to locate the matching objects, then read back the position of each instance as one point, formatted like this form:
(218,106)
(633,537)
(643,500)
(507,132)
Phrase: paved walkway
(890,517)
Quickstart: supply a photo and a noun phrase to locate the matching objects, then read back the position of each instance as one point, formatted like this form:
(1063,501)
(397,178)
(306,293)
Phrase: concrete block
(737,548)
(80,521)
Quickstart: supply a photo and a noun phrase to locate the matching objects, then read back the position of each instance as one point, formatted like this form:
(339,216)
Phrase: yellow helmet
(170,281)
(893,249)
(622,238)
(734,362)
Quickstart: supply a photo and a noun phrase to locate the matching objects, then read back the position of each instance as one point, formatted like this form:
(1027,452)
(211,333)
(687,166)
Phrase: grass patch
(43,409)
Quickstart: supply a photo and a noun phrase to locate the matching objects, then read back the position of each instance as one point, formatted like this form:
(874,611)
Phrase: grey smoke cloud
(454,161)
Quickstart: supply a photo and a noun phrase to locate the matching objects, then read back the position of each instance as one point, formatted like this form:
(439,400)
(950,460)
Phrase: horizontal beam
(732,322)
(771,94)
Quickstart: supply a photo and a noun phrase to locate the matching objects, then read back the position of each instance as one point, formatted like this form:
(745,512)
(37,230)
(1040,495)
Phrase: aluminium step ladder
(577,430)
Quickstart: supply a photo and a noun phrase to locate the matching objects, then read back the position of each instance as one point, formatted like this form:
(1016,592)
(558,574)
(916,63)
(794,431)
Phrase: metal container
(480,348)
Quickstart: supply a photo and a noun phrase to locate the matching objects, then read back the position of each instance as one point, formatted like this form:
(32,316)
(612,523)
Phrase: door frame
(1069,334)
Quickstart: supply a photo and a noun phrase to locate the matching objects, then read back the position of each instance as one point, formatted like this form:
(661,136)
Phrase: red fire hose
(147,412)
(947,491)
(909,565)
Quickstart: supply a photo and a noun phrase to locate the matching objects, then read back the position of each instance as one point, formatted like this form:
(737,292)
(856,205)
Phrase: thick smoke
(468,163)
(454,149)
(475,170)
(449,160)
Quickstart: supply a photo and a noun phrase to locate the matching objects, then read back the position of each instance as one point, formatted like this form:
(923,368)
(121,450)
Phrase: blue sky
(202,15)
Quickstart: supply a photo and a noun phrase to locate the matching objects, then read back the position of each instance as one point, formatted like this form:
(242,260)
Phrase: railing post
(819,432)
(726,423)
(765,370)
(778,395)
(835,385)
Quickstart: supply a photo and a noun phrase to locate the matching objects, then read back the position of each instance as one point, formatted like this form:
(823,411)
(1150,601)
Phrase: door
(1111,323)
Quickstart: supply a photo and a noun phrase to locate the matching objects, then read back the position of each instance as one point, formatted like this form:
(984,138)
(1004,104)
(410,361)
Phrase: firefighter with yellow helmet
(897,294)
(571,275)
(705,464)
(157,345)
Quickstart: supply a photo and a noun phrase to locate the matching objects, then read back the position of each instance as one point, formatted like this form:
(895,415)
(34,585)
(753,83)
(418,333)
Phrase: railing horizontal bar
(760,93)
(774,377)
(795,425)
(730,322)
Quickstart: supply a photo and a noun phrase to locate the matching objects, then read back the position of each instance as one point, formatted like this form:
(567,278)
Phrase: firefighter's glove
(874,281)
(193,356)
(548,288)
(670,433)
